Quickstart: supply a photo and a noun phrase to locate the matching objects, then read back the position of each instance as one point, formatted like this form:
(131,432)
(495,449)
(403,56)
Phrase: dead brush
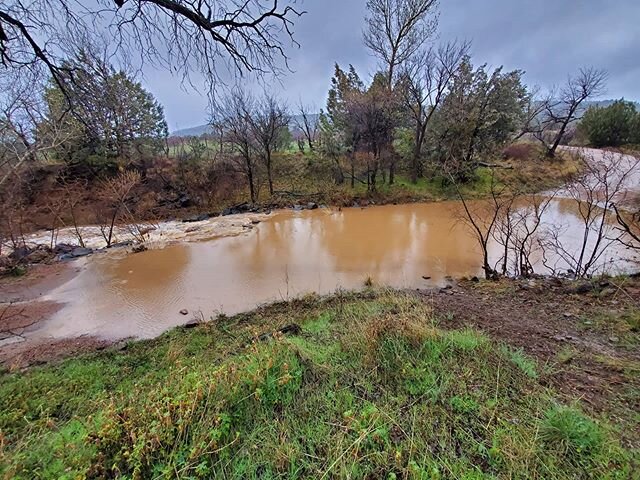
(402,318)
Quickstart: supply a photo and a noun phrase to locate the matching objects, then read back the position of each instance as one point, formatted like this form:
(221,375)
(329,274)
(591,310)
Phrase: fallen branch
(495,165)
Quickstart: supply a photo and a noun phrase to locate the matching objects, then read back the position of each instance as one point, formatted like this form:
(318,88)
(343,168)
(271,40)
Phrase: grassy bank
(310,179)
(373,386)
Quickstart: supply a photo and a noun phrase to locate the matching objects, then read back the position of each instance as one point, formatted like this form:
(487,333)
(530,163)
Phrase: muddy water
(288,254)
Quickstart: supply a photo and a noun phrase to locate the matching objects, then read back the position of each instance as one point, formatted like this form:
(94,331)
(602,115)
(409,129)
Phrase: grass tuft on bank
(372,387)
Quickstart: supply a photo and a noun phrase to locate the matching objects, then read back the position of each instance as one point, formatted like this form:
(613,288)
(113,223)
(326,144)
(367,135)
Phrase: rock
(567,314)
(184,201)
(255,222)
(292,329)
(39,254)
(81,252)
(426,277)
(582,288)
(19,253)
(196,218)
(128,243)
(297,208)
(614,339)
(184,311)
(192,323)
(475,279)
(63,248)
(607,292)
(139,248)
(240,208)
(312,206)
(192,229)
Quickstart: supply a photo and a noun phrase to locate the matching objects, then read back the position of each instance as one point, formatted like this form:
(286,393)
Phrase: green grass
(372,388)
(622,326)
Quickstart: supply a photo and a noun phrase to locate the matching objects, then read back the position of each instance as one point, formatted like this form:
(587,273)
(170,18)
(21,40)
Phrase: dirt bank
(39,280)
(585,334)
(22,310)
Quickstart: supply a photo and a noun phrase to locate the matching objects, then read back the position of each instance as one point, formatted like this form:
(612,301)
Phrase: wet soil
(22,310)
(584,336)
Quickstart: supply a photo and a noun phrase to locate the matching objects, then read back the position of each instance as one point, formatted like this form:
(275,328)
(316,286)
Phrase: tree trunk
(339,172)
(551,151)
(252,190)
(417,153)
(353,174)
(374,173)
(392,172)
(269,173)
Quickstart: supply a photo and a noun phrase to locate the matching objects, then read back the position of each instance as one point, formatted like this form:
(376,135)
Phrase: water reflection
(290,254)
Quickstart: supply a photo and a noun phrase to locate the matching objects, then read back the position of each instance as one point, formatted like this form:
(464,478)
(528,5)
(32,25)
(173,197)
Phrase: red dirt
(39,280)
(21,311)
(36,352)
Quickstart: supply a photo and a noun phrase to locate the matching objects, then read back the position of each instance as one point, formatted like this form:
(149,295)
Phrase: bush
(521,151)
(611,126)
(571,432)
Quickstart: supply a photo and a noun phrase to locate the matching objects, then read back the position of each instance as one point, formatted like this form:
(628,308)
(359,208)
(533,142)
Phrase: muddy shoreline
(24,306)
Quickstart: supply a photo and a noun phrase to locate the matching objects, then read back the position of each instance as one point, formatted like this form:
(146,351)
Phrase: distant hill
(202,129)
(205,129)
(192,132)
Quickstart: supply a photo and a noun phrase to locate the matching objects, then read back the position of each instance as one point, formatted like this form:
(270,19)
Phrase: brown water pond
(291,253)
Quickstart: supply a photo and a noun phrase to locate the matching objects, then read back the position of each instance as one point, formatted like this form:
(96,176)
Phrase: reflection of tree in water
(393,244)
(150,272)
(271,247)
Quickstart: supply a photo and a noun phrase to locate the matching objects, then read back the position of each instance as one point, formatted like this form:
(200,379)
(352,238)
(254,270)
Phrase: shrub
(521,151)
(610,126)
(571,432)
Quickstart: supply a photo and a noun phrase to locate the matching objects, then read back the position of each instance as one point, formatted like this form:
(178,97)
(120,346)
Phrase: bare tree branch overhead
(560,109)
(397,29)
(181,35)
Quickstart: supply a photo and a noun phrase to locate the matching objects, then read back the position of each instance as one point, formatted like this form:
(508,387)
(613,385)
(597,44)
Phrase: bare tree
(483,218)
(307,124)
(525,241)
(424,83)
(371,117)
(397,29)
(243,35)
(533,111)
(628,226)
(269,122)
(234,126)
(560,113)
(22,113)
(73,198)
(116,194)
(593,192)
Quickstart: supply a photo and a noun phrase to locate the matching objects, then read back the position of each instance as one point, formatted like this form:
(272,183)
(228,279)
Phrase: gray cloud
(547,38)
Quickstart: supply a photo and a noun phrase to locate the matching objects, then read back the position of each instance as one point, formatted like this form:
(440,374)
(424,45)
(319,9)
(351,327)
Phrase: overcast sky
(546,38)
